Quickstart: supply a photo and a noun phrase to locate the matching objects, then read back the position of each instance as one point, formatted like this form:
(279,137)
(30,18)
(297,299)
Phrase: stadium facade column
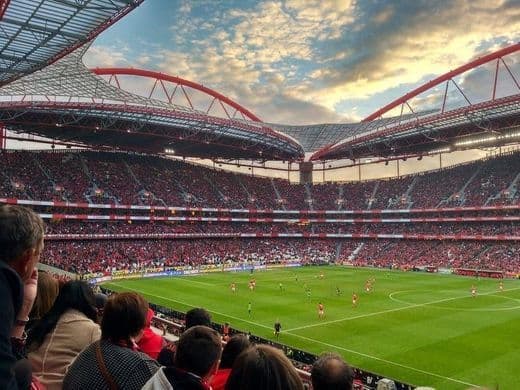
(3,134)
(306,168)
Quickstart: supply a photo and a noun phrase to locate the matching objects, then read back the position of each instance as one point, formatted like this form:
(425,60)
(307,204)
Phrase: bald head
(332,373)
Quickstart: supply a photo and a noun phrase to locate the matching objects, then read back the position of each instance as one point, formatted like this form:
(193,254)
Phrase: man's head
(263,367)
(331,372)
(236,345)
(198,351)
(21,239)
(197,316)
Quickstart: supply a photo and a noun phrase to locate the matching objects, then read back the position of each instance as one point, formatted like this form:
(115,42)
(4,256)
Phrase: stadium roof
(315,137)
(492,121)
(46,90)
(35,33)
(68,102)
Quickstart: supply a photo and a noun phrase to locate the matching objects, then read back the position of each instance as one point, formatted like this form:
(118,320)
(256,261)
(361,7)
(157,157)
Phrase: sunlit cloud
(338,60)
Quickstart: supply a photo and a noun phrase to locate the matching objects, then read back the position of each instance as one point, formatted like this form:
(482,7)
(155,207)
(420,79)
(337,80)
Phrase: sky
(308,61)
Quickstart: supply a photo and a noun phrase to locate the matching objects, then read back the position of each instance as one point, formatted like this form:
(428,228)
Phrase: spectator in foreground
(48,288)
(21,243)
(114,362)
(196,361)
(151,343)
(194,317)
(101,301)
(234,347)
(62,333)
(330,372)
(197,316)
(263,367)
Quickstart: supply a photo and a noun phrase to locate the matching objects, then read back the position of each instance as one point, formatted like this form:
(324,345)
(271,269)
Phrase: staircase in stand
(340,196)
(308,191)
(512,189)
(373,195)
(278,196)
(356,251)
(461,192)
(47,175)
(244,188)
(410,188)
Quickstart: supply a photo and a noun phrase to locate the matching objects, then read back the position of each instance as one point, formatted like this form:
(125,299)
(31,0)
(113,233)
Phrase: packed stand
(67,171)
(326,196)
(107,256)
(131,179)
(292,196)
(390,193)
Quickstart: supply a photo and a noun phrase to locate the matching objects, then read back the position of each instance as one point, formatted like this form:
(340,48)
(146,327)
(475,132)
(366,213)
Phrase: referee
(277,328)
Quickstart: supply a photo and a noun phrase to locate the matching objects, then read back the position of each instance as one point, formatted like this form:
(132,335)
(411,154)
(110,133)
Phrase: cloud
(325,58)
(400,46)
(106,57)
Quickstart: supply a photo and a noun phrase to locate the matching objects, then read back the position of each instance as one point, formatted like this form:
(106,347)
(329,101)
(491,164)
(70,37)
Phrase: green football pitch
(423,329)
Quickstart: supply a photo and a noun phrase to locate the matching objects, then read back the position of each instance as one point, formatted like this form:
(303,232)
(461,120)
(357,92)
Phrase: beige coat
(73,332)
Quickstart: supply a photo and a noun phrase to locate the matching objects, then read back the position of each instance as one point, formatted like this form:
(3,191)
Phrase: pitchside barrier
(102,277)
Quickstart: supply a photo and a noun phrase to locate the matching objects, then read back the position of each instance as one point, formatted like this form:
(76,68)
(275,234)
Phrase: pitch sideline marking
(389,310)
(385,361)
(186,304)
(189,280)
(491,294)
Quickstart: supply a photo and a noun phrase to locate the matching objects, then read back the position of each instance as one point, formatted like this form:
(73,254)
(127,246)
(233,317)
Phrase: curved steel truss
(36,33)
(67,102)
(457,124)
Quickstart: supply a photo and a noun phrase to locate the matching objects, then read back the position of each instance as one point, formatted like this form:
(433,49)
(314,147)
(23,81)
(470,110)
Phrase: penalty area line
(385,361)
(187,304)
(410,306)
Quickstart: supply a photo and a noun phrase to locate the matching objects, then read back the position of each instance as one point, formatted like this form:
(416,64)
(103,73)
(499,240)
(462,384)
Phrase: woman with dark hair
(234,347)
(48,289)
(263,367)
(62,333)
(114,362)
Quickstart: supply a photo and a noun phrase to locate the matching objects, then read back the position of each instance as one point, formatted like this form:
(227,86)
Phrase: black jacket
(11,298)
(182,380)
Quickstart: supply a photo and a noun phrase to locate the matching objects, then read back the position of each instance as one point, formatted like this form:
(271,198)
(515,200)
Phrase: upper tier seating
(129,179)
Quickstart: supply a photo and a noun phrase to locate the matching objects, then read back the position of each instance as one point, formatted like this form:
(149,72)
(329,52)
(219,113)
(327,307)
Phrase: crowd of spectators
(292,196)
(111,255)
(132,179)
(142,229)
(105,256)
(493,181)
(129,179)
(447,254)
(391,193)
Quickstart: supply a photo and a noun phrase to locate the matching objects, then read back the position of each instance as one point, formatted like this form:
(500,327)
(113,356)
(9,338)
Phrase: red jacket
(218,382)
(151,343)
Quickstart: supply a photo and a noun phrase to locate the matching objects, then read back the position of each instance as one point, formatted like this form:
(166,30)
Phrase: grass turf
(423,329)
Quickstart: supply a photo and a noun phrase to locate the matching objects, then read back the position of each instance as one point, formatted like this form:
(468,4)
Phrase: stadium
(179,201)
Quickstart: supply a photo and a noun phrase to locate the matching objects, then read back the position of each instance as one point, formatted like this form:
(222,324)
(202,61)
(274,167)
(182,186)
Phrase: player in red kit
(321,310)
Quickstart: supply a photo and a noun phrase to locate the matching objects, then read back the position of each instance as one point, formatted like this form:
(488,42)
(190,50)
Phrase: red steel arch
(161,77)
(448,76)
